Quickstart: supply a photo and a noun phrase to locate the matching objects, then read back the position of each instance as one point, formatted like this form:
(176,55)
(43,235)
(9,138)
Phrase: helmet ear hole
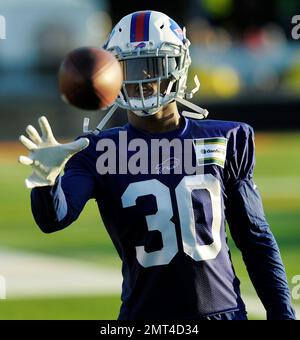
(162,26)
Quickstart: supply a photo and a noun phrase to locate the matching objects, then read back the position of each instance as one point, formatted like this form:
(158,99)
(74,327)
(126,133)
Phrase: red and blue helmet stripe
(139,27)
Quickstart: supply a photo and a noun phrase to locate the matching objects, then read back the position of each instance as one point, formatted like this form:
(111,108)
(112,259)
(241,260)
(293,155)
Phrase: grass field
(277,175)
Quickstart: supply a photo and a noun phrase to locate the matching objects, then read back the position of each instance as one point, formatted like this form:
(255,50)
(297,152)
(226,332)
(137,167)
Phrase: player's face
(149,89)
(147,68)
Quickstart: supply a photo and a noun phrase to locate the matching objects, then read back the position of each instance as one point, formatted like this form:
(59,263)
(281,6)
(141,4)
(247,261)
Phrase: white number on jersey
(161,221)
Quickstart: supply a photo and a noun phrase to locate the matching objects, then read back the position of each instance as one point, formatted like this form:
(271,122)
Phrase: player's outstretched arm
(253,236)
(56,201)
(251,232)
(47,157)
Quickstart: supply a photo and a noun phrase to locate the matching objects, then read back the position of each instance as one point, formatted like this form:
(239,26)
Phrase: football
(90,78)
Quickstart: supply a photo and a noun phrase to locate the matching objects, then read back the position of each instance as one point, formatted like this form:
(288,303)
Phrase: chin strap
(195,115)
(102,123)
(199,112)
(86,122)
(190,94)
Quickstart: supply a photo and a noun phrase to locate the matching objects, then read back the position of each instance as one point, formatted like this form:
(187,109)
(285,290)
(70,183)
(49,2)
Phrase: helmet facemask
(152,78)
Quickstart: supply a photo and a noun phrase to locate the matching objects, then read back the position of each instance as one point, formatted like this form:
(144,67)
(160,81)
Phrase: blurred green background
(248,65)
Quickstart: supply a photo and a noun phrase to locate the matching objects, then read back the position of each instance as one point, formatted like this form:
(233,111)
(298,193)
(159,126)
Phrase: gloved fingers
(47,134)
(33,134)
(34,180)
(39,167)
(27,143)
(44,169)
(77,145)
(25,160)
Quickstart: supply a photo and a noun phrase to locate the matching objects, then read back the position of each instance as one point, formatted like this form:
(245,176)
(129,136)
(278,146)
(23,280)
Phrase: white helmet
(151,48)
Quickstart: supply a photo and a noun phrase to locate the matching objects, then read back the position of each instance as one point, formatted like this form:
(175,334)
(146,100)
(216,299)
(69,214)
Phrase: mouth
(148,90)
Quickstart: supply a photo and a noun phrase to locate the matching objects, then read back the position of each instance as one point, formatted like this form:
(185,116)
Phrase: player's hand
(47,157)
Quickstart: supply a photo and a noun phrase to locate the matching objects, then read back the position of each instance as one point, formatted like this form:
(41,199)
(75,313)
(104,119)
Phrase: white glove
(47,157)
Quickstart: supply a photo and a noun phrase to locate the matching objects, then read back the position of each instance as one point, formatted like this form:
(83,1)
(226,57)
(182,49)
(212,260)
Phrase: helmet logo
(140,45)
(176,29)
(168,164)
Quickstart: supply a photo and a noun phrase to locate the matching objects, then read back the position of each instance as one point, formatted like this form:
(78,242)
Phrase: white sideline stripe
(30,275)
(255,307)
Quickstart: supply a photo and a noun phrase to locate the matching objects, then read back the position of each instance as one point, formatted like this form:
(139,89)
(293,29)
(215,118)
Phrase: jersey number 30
(161,220)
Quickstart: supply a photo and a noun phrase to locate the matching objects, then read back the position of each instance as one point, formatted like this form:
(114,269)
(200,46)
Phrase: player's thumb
(76,146)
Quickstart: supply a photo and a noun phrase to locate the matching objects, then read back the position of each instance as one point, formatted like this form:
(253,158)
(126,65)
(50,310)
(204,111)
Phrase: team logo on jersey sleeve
(211,150)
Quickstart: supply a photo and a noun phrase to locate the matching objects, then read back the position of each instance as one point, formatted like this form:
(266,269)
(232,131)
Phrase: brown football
(90,78)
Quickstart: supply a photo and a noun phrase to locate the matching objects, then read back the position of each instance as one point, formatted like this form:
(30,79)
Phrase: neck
(165,120)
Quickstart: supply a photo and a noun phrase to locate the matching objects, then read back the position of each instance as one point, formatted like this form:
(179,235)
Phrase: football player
(168,229)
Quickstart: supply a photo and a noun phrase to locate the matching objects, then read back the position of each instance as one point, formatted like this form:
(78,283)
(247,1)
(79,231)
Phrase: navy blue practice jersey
(169,229)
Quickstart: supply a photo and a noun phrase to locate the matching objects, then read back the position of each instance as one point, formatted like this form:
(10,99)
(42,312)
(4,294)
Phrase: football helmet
(154,55)
(153,52)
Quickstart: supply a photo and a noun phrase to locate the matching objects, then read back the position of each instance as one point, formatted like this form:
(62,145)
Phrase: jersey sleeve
(250,230)
(56,207)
